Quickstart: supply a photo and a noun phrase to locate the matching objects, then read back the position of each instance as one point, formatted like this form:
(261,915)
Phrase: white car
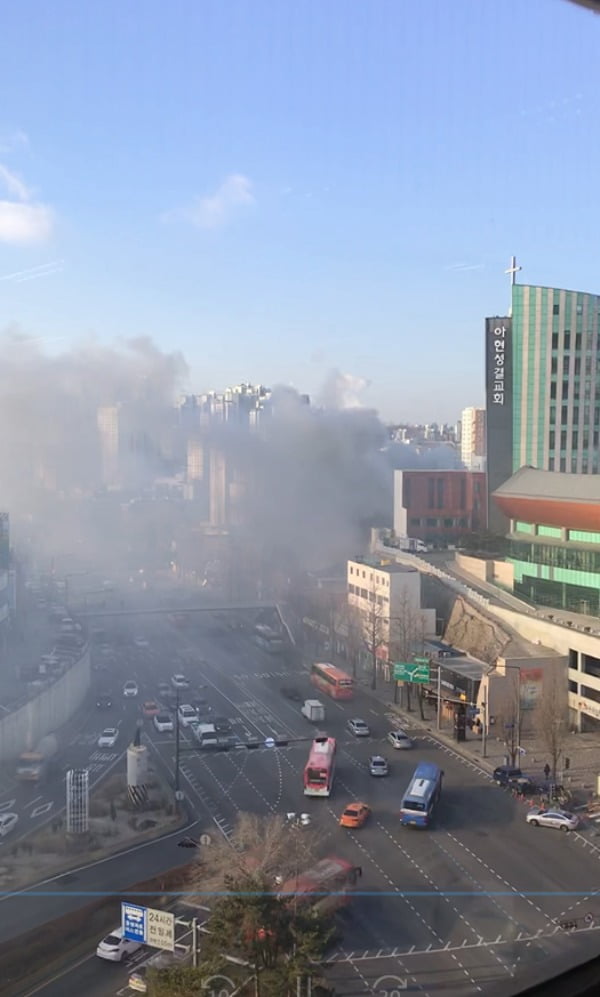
(560,819)
(7,822)
(163,723)
(187,715)
(358,727)
(115,948)
(179,682)
(108,737)
(400,740)
(130,689)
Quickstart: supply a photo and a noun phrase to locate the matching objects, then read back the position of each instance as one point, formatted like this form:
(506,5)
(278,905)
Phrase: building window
(579,309)
(554,365)
(463,523)
(564,414)
(553,389)
(415,521)
(575,440)
(577,365)
(563,463)
(431,493)
(463,493)
(552,440)
(448,523)
(567,341)
(555,310)
(554,340)
(440,493)
(565,365)
(432,522)
(563,440)
(578,341)
(565,389)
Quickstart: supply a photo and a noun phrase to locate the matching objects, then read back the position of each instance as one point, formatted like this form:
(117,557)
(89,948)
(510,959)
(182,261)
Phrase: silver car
(561,819)
(399,740)
(378,765)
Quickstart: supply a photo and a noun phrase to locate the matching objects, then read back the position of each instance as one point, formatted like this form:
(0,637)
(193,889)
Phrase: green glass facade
(556,379)
(564,575)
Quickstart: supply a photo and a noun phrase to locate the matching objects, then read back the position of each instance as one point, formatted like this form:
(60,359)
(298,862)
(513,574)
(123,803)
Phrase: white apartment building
(472,440)
(393,592)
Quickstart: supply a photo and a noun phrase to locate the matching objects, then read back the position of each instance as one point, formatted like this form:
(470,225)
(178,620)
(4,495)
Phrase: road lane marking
(45,807)
(7,805)
(32,803)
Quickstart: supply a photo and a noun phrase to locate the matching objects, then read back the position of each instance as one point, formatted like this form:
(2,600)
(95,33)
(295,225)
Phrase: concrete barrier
(50,709)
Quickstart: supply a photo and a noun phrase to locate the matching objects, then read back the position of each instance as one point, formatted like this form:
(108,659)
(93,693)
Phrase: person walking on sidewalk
(547,771)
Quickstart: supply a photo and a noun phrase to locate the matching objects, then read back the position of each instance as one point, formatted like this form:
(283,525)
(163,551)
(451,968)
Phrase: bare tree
(407,639)
(265,848)
(349,629)
(509,716)
(551,717)
(375,634)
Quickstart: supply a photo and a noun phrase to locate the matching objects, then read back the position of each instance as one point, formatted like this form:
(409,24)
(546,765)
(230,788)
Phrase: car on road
(164,689)
(400,740)
(163,723)
(559,819)
(355,814)
(130,689)
(7,822)
(504,774)
(358,727)
(103,702)
(200,704)
(150,708)
(115,948)
(179,681)
(292,693)
(378,765)
(140,642)
(187,715)
(222,725)
(108,737)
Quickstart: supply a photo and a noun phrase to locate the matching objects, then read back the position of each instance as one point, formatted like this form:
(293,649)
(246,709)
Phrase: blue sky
(279,189)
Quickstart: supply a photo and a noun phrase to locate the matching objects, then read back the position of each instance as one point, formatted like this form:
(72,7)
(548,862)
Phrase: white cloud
(22,220)
(216,210)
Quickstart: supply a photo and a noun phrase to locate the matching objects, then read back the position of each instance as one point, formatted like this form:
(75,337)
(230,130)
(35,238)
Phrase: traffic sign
(405,671)
(270,742)
(421,661)
(133,922)
(160,929)
(588,918)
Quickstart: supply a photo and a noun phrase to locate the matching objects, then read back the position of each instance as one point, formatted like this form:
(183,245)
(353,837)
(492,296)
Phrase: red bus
(326,887)
(333,681)
(320,767)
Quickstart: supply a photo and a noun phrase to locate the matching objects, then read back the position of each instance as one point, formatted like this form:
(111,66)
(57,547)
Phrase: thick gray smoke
(302,491)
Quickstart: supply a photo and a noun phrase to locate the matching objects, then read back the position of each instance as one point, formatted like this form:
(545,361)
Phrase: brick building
(439,506)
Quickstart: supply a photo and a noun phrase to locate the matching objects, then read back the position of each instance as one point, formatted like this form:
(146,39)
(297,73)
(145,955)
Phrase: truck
(313,710)
(32,766)
(206,735)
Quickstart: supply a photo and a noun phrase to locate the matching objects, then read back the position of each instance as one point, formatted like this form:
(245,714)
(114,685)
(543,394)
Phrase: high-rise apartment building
(543,386)
(472,438)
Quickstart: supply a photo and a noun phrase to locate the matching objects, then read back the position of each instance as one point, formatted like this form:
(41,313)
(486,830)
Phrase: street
(470,904)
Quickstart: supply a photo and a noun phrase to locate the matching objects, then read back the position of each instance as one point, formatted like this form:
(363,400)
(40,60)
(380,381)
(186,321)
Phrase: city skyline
(315,208)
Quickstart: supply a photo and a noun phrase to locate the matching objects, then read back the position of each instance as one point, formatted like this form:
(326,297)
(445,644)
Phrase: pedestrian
(547,771)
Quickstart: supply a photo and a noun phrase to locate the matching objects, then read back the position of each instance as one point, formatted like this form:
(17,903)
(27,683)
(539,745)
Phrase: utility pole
(439,697)
(177,744)
(484,730)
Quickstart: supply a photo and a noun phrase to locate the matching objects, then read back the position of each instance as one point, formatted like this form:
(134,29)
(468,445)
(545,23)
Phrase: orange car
(355,815)
(150,708)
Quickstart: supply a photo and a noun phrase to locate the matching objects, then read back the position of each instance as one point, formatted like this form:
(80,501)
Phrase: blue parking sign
(133,922)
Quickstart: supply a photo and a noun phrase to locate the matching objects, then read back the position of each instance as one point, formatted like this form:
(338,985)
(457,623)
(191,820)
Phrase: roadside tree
(551,718)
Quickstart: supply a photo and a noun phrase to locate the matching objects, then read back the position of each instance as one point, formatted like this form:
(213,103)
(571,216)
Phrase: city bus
(324,888)
(332,681)
(268,639)
(421,796)
(320,767)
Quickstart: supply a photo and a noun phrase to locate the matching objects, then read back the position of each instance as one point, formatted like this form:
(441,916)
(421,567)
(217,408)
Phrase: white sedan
(108,737)
(7,822)
(163,723)
(562,820)
(187,715)
(179,682)
(130,689)
(399,740)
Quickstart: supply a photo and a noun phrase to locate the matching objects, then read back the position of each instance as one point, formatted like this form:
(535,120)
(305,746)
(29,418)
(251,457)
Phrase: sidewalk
(583,750)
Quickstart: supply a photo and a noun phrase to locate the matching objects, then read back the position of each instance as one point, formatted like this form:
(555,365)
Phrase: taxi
(355,814)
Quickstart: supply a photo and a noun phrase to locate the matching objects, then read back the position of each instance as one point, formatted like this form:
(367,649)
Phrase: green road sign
(413,671)
(421,661)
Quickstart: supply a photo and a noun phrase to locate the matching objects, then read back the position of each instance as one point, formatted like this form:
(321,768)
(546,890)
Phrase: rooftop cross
(513,270)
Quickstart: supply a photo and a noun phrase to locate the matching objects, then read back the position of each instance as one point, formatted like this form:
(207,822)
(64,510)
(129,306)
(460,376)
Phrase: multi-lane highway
(471,904)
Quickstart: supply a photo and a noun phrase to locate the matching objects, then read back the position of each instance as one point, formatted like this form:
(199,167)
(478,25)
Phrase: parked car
(222,725)
(358,727)
(115,948)
(108,737)
(355,815)
(504,773)
(562,820)
(163,723)
(378,765)
(400,740)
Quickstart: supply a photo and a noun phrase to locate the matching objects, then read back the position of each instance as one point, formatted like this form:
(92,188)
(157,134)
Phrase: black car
(290,692)
(200,704)
(104,702)
(505,774)
(222,725)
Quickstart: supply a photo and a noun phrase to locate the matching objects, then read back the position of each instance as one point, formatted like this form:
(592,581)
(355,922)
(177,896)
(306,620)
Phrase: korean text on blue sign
(133,922)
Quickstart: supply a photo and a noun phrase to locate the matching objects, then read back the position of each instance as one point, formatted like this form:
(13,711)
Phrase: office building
(542,386)
(554,538)
(437,506)
(472,438)
(390,595)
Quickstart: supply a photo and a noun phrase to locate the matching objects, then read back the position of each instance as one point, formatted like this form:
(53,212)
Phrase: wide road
(460,904)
